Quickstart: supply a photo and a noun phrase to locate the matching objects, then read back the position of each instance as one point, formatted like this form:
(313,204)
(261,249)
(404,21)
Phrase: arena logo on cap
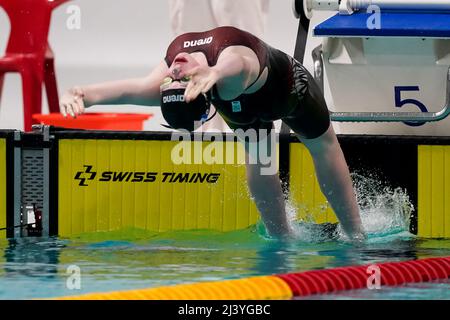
(200,42)
(173,98)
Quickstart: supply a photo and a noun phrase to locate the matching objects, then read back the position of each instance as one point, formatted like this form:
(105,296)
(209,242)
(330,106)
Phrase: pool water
(38,268)
(134,259)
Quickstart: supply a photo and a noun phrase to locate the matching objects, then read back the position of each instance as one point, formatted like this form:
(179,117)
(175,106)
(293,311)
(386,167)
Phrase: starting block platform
(384,72)
(392,24)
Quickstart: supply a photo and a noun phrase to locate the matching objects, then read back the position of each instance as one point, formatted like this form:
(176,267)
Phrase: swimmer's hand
(72,102)
(202,79)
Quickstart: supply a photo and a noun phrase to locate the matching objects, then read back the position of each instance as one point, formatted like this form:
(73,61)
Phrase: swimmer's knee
(321,143)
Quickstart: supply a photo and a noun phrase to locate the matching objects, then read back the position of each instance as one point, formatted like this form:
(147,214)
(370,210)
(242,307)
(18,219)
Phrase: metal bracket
(302,8)
(31,182)
(317,56)
(345,8)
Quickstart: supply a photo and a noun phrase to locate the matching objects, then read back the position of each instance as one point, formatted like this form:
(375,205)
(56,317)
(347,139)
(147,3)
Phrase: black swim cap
(182,115)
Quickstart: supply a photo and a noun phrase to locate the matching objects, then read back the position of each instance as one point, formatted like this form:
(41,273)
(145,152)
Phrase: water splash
(385,214)
(308,230)
(385,210)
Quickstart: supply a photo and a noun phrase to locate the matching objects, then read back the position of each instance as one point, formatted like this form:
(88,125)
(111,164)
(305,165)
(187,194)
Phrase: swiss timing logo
(84,177)
(87,174)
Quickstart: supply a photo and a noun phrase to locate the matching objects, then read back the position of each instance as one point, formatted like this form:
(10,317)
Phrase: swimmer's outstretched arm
(236,69)
(140,91)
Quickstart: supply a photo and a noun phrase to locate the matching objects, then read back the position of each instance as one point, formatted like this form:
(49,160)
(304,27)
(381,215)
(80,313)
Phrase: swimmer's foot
(358,239)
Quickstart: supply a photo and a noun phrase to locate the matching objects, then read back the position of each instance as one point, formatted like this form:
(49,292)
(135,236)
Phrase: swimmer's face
(177,77)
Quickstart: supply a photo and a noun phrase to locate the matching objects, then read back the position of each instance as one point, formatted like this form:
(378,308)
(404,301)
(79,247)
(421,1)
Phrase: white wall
(118,39)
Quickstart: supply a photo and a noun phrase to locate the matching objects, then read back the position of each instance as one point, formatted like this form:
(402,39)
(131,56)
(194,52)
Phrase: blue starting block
(354,47)
(393,24)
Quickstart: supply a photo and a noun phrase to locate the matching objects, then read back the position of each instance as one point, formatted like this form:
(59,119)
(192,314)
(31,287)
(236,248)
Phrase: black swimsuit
(290,93)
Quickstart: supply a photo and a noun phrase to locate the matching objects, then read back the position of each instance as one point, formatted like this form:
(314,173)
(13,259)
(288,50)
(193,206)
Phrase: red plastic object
(348,278)
(96,121)
(29,53)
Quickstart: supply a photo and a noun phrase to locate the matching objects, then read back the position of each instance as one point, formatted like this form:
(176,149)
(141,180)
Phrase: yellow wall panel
(437,196)
(446,192)
(2,187)
(243,193)
(305,191)
(154,160)
(64,190)
(434,188)
(140,194)
(229,201)
(129,157)
(88,204)
(167,190)
(217,211)
(198,201)
(103,158)
(90,201)
(79,194)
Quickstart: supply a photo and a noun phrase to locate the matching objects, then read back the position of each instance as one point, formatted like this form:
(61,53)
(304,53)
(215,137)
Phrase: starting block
(391,24)
(384,61)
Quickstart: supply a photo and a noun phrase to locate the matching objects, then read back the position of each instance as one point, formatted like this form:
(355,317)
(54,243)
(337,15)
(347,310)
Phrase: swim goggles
(169,80)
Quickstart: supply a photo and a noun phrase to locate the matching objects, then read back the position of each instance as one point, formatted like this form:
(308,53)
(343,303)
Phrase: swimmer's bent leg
(266,189)
(335,181)
(268,196)
(311,122)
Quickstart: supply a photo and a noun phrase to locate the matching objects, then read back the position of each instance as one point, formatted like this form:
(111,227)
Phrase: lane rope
(290,285)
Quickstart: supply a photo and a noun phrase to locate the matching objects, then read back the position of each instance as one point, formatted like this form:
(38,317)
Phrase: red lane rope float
(356,277)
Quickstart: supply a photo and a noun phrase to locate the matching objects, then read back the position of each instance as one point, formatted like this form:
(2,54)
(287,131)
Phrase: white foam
(385,213)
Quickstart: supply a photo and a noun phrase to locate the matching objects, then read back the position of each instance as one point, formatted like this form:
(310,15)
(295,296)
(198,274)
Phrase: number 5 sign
(400,103)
